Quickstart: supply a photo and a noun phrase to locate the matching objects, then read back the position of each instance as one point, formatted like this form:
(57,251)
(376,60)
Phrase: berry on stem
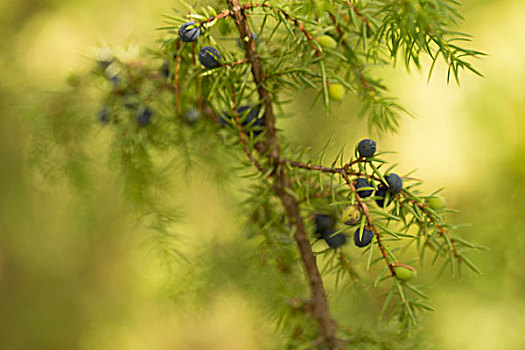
(336,92)
(248,116)
(165,69)
(103,116)
(323,224)
(189,34)
(436,202)
(362,183)
(366,148)
(404,272)
(351,215)
(394,182)
(327,42)
(364,239)
(335,240)
(209,57)
(381,193)
(143,116)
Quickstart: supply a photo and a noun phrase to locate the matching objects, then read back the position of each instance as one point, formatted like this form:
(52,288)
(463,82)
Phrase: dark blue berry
(248,117)
(115,79)
(366,148)
(189,34)
(335,240)
(323,224)
(254,38)
(143,116)
(383,192)
(258,126)
(209,57)
(365,238)
(250,120)
(247,114)
(394,182)
(362,183)
(165,69)
(103,116)
(104,63)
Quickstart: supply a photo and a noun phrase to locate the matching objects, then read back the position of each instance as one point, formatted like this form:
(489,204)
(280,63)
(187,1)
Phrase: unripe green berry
(327,42)
(336,92)
(351,215)
(436,202)
(404,272)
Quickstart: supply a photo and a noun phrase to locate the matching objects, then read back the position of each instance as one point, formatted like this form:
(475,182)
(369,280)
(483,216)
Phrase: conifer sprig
(211,100)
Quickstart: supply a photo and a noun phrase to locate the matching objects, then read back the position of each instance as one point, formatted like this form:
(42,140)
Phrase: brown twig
(270,147)
(442,231)
(325,169)
(235,63)
(371,225)
(357,69)
(225,14)
(345,171)
(300,26)
(356,11)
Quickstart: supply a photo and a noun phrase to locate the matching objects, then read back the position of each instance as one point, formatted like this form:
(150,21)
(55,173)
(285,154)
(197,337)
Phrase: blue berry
(258,126)
(335,240)
(365,238)
(248,116)
(394,182)
(189,34)
(165,69)
(362,183)
(209,57)
(323,224)
(143,116)
(366,148)
(382,192)
(103,116)
(104,63)
(115,79)
(255,124)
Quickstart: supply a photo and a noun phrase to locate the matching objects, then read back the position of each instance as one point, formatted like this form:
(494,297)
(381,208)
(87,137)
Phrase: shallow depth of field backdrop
(77,272)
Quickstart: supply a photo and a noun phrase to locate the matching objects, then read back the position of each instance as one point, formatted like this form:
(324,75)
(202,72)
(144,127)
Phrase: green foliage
(363,36)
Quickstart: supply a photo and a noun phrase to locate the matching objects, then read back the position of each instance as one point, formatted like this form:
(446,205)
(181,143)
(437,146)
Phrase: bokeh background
(76,270)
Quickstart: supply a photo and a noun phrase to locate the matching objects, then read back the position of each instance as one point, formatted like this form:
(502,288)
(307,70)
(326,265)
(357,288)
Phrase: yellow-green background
(77,272)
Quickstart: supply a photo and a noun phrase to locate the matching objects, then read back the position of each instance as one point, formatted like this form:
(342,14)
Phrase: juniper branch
(321,312)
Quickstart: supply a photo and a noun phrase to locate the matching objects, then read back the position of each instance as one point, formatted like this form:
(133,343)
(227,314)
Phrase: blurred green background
(76,270)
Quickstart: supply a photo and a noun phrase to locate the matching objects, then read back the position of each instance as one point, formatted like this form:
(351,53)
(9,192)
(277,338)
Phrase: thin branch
(225,14)
(270,148)
(299,25)
(357,68)
(235,63)
(356,11)
(442,231)
(371,225)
